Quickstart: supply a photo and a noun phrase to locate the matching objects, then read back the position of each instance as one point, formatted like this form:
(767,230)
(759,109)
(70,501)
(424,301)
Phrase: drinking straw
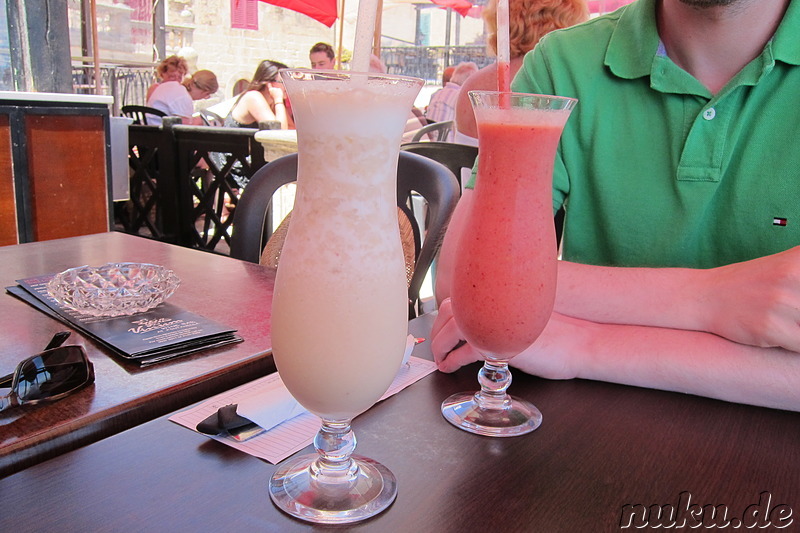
(365,30)
(503,48)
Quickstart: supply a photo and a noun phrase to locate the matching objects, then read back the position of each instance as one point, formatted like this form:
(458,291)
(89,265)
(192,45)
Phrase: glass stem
(494,378)
(335,443)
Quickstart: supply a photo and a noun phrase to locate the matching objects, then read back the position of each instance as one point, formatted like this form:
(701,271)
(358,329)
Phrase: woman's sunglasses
(50,375)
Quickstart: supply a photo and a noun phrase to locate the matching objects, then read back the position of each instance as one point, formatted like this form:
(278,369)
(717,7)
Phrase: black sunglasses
(50,375)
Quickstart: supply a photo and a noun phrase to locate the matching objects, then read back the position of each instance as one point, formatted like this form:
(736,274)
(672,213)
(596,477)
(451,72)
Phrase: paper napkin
(290,427)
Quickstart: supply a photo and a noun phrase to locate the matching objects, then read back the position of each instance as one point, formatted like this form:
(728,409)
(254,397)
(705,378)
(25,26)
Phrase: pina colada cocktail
(340,308)
(340,312)
(505,277)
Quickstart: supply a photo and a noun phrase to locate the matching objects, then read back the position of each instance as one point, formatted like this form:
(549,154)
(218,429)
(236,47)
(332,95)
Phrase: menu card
(164,332)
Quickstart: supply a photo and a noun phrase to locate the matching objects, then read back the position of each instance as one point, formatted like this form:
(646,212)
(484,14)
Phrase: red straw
(503,51)
(503,77)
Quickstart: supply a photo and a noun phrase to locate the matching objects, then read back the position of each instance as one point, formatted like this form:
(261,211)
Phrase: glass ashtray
(114,289)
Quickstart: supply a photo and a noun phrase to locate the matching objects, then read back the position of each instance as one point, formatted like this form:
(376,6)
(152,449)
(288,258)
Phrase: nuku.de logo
(692,515)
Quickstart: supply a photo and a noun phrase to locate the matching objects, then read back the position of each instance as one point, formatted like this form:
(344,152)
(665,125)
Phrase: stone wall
(232,54)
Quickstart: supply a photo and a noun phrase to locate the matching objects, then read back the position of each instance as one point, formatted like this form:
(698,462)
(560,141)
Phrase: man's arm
(667,359)
(755,302)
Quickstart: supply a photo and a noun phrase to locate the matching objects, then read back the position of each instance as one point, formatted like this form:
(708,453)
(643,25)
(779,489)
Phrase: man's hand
(553,356)
(691,362)
(449,348)
(755,302)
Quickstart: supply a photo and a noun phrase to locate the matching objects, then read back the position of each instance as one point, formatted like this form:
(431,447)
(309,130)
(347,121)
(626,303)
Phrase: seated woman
(172,68)
(176,99)
(263,101)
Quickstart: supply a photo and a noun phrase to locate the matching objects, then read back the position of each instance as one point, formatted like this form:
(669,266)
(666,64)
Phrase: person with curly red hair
(529,20)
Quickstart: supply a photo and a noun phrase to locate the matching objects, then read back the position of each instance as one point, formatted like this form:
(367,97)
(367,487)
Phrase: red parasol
(461,7)
(323,11)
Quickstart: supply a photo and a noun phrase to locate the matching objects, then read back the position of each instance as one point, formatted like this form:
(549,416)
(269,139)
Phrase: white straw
(365,31)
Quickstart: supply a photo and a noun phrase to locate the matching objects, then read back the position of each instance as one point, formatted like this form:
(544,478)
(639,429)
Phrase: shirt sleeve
(182,107)
(535,77)
(522,83)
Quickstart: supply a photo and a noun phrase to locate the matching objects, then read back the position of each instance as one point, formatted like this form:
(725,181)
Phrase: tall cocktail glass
(340,308)
(504,281)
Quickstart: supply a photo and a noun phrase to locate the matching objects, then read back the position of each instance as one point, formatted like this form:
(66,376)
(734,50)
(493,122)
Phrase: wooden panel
(67,174)
(8,211)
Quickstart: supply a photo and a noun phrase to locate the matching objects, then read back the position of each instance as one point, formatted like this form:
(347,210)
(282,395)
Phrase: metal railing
(127,84)
(429,62)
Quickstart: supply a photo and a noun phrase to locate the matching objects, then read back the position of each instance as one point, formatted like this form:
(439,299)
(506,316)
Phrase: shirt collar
(635,43)
(785,43)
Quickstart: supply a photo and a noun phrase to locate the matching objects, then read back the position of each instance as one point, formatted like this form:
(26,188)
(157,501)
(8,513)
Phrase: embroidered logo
(778,221)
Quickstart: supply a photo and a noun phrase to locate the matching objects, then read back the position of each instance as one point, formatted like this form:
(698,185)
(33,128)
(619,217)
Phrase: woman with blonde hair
(529,21)
(176,99)
(172,68)
(264,100)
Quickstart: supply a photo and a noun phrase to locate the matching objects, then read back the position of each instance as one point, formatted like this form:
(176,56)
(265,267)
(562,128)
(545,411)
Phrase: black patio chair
(211,119)
(452,155)
(415,174)
(139,113)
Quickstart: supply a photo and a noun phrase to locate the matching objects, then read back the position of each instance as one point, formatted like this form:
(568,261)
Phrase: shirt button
(709,113)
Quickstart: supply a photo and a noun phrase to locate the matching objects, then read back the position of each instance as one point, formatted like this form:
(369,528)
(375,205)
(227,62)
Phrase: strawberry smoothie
(504,284)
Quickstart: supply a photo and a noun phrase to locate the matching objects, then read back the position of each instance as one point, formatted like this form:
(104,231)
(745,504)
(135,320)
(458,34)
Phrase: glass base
(515,417)
(295,491)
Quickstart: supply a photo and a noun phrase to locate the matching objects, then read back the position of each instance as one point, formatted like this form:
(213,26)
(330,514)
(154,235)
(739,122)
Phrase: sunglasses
(47,376)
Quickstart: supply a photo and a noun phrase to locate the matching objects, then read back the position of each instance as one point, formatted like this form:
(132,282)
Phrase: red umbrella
(461,7)
(325,10)
(322,10)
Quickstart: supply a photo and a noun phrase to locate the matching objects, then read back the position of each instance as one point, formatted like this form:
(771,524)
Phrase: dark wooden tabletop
(232,292)
(601,447)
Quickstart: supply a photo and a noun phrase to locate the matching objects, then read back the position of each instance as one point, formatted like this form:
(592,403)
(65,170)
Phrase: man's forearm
(754,302)
(662,297)
(676,360)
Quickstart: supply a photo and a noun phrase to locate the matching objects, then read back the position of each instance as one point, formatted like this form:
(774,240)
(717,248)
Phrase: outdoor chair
(438,131)
(139,113)
(415,174)
(210,118)
(452,155)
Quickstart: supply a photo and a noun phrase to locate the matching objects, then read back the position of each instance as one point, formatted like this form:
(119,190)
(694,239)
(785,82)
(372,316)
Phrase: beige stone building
(233,53)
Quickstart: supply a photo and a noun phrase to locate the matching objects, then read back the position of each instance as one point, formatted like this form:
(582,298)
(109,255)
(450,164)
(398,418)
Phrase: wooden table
(229,291)
(601,447)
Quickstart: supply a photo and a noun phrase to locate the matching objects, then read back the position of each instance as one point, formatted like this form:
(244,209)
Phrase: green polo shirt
(652,168)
